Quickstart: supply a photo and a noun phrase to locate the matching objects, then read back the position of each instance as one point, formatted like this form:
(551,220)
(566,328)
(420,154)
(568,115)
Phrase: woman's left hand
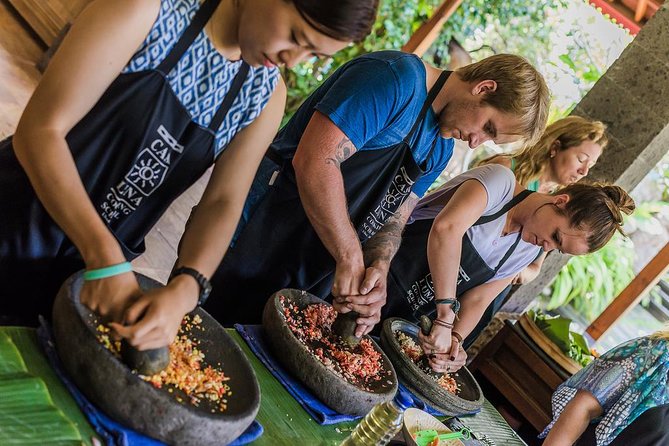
(154,319)
(438,341)
(441,362)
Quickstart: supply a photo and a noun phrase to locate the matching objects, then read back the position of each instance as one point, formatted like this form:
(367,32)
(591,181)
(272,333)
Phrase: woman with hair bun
(469,239)
(564,154)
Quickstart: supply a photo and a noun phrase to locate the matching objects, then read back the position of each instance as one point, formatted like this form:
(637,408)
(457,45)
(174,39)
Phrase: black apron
(651,428)
(410,291)
(136,151)
(279,247)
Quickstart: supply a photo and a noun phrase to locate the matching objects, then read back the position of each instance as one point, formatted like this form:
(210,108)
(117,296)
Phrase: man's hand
(369,303)
(111,296)
(349,275)
(154,320)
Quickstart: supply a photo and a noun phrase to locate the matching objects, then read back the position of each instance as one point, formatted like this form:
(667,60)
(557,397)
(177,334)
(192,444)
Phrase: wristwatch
(205,285)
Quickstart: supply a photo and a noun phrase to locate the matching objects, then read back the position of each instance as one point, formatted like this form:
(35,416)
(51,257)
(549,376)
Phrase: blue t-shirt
(375,100)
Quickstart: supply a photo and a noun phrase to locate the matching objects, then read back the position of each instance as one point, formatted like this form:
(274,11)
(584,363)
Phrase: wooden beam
(640,11)
(632,294)
(428,32)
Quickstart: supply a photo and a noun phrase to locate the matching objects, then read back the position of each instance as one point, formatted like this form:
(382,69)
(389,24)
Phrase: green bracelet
(107,271)
(454,303)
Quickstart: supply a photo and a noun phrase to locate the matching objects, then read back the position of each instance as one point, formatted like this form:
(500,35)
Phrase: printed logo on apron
(398,191)
(145,176)
(421,291)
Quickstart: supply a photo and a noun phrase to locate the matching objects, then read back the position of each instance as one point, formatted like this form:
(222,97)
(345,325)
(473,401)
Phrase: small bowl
(416,420)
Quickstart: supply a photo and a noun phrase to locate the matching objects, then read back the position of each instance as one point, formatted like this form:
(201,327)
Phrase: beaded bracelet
(454,303)
(107,271)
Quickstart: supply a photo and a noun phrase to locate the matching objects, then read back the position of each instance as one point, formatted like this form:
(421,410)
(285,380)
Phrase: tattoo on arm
(383,246)
(344,150)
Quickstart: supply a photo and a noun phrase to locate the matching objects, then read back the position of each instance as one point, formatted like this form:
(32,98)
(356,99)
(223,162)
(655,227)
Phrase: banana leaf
(10,358)
(28,415)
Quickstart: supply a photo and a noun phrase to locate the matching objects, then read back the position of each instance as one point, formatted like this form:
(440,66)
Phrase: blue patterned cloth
(323,414)
(203,76)
(627,380)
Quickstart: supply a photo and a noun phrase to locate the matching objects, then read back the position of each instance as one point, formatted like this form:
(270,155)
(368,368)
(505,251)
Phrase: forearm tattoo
(383,246)
(344,150)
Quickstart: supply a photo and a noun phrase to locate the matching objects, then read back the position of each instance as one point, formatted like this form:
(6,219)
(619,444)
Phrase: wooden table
(284,420)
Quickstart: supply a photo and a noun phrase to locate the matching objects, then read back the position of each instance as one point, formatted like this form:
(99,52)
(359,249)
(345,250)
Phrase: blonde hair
(662,333)
(597,208)
(521,90)
(532,161)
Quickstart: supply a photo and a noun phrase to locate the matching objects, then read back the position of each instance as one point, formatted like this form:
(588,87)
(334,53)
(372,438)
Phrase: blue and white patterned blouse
(203,76)
(627,380)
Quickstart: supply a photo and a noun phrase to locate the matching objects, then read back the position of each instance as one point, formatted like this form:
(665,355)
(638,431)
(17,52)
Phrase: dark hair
(597,208)
(344,20)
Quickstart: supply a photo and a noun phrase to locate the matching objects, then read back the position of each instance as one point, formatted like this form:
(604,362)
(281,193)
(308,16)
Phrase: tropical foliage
(512,20)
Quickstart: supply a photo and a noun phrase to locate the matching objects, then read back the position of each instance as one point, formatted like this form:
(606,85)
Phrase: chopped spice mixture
(415,353)
(187,370)
(360,365)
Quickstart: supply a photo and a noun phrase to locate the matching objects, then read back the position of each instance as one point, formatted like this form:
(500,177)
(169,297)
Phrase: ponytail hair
(597,208)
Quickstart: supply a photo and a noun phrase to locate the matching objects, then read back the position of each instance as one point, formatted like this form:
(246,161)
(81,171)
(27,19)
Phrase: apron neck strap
(200,19)
(230,96)
(506,208)
(508,253)
(431,95)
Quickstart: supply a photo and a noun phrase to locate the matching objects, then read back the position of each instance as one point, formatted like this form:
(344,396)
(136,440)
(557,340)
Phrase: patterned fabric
(627,380)
(202,77)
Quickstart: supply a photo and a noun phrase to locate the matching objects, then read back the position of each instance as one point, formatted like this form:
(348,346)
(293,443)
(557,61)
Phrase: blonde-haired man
(352,162)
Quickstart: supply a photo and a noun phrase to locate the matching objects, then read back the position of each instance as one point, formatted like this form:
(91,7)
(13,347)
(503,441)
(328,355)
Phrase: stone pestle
(146,362)
(344,326)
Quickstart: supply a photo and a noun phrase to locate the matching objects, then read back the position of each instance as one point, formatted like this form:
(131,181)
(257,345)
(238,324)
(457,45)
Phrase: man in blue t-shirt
(352,162)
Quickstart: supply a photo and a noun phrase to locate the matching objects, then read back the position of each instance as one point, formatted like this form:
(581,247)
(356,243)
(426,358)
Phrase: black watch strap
(205,285)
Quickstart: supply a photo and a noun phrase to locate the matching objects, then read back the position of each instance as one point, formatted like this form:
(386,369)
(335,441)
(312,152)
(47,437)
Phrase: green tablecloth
(284,420)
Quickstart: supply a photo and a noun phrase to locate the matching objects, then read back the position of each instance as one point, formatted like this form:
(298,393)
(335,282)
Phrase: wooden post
(640,11)
(632,294)
(425,36)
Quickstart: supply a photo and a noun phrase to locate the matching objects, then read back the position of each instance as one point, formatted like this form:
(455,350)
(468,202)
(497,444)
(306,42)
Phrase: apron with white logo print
(279,247)
(136,151)
(410,291)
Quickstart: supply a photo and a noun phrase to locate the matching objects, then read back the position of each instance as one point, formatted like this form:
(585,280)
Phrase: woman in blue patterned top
(140,100)
(621,391)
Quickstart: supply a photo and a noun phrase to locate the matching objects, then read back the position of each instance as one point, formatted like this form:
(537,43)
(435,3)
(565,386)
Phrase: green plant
(396,21)
(590,282)
(557,330)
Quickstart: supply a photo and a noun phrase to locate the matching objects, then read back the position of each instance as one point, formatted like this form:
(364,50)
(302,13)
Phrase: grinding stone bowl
(469,398)
(329,387)
(125,397)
